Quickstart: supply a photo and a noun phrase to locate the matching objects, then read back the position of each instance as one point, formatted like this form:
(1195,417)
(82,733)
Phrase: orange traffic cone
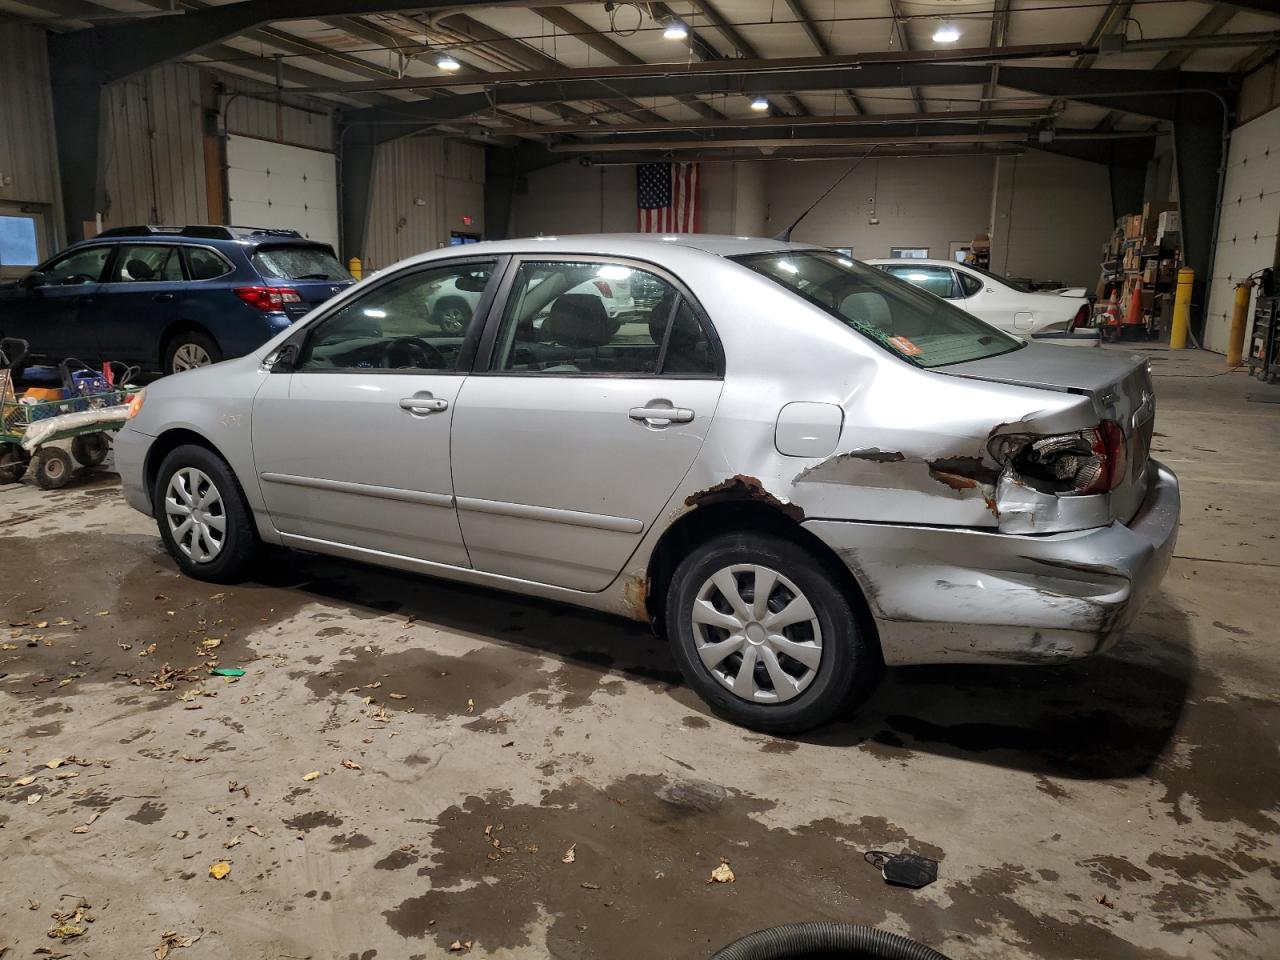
(1134,315)
(1112,312)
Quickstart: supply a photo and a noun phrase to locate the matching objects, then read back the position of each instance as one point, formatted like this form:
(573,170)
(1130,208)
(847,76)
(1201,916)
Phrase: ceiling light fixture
(760,103)
(676,30)
(947,32)
(446,62)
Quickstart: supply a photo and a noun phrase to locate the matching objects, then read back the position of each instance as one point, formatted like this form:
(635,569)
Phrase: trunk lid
(1119,385)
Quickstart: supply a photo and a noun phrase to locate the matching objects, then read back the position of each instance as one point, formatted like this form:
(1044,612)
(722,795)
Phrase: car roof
(916,261)
(644,246)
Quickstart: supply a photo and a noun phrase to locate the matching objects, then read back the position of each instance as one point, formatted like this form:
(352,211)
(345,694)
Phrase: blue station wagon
(169,298)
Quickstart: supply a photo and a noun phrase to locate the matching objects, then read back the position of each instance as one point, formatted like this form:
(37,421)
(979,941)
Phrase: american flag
(667,197)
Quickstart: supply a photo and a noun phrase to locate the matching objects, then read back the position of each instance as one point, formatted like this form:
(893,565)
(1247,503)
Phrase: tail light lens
(604,288)
(268,299)
(1087,462)
(1081,319)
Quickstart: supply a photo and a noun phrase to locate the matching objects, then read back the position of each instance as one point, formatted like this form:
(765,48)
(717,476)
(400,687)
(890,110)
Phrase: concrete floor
(464,741)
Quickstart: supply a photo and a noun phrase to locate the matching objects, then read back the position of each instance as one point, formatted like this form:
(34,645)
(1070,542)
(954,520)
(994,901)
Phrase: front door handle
(661,414)
(162,297)
(422,405)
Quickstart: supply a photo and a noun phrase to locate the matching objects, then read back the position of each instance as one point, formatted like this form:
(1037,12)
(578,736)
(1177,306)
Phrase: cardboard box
(1170,223)
(1151,213)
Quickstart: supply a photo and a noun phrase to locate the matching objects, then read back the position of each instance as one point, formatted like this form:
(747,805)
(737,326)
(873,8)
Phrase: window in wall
(909,253)
(18,247)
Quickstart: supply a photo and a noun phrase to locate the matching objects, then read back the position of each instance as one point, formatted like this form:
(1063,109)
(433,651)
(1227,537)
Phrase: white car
(1000,302)
(451,302)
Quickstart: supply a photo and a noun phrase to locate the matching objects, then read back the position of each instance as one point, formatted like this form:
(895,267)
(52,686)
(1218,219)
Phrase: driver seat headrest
(139,270)
(578,320)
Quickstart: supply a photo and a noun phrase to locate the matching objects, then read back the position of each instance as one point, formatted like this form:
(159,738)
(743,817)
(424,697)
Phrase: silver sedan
(796,467)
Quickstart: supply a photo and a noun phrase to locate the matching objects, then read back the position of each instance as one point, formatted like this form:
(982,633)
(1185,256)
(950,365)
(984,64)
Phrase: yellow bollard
(1182,309)
(1240,313)
(355,267)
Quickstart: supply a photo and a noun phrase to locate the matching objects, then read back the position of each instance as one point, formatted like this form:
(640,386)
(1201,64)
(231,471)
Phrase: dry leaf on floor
(219,869)
(398,696)
(66,775)
(103,613)
(55,764)
(151,648)
(569,855)
(351,765)
(233,842)
(722,874)
(313,775)
(471,705)
(461,946)
(42,624)
(23,781)
(171,940)
(255,831)
(210,643)
(373,686)
(34,798)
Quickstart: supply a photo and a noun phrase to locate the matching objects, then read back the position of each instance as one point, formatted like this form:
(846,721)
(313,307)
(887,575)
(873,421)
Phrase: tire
(189,349)
(13,462)
(217,556)
(91,449)
(451,315)
(841,662)
(52,468)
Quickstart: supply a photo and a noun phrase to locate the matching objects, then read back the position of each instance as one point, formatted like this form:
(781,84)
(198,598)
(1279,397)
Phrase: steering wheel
(412,352)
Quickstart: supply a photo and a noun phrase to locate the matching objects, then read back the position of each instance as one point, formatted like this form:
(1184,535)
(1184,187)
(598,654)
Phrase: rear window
(916,326)
(299,263)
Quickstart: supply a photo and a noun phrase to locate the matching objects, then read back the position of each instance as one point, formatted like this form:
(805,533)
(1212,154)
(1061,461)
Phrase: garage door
(1250,218)
(277,185)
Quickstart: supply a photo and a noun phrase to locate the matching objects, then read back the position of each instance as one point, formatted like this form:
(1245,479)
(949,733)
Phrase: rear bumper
(968,596)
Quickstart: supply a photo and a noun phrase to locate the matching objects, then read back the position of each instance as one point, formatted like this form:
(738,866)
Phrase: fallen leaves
(461,946)
(722,874)
(171,940)
(471,705)
(313,775)
(219,870)
(23,781)
(233,842)
(34,798)
(68,926)
(351,765)
(56,763)
(570,855)
(84,827)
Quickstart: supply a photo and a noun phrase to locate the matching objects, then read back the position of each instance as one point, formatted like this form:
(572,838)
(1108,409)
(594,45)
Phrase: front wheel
(765,634)
(204,521)
(13,462)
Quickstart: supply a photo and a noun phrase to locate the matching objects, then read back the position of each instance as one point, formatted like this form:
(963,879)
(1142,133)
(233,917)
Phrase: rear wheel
(204,521)
(765,634)
(13,462)
(90,448)
(52,467)
(190,349)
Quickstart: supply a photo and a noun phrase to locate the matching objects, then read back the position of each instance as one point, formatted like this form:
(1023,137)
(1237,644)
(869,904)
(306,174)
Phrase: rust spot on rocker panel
(742,487)
(635,597)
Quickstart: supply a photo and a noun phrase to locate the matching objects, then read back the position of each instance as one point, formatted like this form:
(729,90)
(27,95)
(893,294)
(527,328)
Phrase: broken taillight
(1084,462)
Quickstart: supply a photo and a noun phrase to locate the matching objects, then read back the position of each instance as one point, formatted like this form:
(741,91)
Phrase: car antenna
(785,235)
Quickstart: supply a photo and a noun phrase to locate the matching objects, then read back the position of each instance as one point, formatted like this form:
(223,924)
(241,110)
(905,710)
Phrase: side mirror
(286,358)
(32,280)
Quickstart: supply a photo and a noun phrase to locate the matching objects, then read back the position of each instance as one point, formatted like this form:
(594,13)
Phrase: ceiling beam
(824,49)
(1213,21)
(1269,8)
(744,48)
(297,76)
(786,123)
(1113,17)
(904,42)
(564,20)
(999,33)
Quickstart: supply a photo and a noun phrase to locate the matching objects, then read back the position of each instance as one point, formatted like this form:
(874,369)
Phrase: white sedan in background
(1000,302)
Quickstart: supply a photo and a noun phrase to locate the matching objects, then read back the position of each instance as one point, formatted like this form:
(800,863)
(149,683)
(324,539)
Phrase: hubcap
(757,634)
(189,356)
(193,508)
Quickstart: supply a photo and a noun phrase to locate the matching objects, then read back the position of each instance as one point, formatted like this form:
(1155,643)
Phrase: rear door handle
(654,415)
(162,297)
(421,406)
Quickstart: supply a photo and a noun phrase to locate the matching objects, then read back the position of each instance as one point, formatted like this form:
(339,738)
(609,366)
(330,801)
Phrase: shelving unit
(1140,260)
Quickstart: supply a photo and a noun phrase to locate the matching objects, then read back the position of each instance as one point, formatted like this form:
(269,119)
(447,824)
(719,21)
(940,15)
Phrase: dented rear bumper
(970,596)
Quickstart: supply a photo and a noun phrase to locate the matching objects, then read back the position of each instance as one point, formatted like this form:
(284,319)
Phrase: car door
(997,304)
(56,312)
(139,300)
(351,442)
(576,427)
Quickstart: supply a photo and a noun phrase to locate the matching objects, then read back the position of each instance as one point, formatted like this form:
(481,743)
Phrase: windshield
(299,263)
(915,325)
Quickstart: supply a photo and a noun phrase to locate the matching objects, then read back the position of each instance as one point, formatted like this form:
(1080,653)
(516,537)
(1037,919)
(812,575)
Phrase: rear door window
(147,263)
(298,262)
(969,285)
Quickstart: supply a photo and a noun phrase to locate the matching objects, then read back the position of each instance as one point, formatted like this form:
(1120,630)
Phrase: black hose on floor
(825,941)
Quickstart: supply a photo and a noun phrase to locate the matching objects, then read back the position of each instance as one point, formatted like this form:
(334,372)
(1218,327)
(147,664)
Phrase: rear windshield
(299,263)
(915,325)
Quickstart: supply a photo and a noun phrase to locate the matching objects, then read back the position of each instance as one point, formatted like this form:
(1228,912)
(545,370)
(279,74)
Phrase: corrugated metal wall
(154,149)
(254,113)
(422,188)
(26,118)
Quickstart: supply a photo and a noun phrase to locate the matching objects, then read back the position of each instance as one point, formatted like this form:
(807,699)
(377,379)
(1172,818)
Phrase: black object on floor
(904,869)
